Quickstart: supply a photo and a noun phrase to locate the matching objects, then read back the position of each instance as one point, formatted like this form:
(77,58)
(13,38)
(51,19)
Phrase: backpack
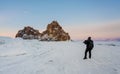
(91,45)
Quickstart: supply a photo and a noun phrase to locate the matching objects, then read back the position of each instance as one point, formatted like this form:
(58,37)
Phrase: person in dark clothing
(89,46)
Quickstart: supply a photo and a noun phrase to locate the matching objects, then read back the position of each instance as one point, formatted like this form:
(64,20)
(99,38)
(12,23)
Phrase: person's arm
(85,42)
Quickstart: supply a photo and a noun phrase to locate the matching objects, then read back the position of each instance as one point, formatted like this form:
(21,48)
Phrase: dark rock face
(28,33)
(54,32)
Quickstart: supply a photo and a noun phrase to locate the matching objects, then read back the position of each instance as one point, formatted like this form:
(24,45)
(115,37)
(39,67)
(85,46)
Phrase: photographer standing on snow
(89,46)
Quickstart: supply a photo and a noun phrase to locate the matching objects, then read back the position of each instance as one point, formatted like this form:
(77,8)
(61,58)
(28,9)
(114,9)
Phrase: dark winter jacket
(89,44)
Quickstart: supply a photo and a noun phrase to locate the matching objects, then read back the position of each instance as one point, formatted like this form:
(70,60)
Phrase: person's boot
(85,58)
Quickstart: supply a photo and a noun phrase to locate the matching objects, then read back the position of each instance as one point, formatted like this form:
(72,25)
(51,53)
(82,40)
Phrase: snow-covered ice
(19,56)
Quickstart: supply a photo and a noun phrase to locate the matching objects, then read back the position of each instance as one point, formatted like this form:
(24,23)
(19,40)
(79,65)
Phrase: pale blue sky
(78,17)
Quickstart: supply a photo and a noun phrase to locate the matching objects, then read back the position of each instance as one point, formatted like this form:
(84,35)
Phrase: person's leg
(90,54)
(85,57)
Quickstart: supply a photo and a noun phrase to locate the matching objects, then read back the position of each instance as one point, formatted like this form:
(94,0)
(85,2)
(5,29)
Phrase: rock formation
(28,33)
(54,32)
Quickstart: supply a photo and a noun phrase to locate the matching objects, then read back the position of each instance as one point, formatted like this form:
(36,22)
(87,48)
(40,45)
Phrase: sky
(99,19)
